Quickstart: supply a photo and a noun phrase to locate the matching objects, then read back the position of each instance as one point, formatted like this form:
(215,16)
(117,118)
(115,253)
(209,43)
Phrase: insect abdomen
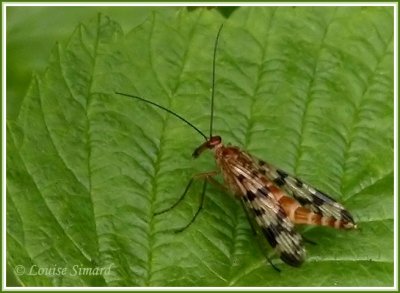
(302,215)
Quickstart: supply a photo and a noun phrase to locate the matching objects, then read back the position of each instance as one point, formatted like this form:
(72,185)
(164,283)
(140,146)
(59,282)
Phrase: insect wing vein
(307,196)
(269,215)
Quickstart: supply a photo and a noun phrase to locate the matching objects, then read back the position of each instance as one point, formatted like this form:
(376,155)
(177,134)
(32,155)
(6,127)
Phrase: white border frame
(30,4)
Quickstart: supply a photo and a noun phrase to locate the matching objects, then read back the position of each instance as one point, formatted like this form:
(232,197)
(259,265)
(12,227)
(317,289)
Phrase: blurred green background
(32,32)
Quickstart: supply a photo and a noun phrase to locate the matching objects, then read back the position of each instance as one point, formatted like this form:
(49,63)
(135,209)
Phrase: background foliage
(308,89)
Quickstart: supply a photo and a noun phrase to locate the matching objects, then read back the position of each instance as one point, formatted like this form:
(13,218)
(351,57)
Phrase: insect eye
(215,140)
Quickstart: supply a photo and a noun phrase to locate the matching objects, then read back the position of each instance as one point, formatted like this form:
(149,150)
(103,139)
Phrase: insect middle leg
(207,177)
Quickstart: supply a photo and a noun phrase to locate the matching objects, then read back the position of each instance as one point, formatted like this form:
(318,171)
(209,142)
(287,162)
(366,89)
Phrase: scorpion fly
(273,198)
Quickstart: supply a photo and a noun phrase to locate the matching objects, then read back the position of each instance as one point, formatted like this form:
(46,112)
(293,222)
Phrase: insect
(276,200)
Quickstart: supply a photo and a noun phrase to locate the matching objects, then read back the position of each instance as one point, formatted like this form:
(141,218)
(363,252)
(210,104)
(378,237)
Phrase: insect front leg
(205,177)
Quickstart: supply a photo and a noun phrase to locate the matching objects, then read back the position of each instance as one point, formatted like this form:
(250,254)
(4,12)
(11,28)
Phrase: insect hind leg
(308,240)
(273,265)
(254,230)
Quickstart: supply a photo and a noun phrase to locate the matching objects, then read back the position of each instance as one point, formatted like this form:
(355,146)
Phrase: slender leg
(308,240)
(206,177)
(209,176)
(272,264)
(179,200)
(198,210)
(254,229)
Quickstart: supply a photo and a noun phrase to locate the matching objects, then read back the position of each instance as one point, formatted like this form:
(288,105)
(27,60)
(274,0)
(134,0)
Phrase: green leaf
(30,38)
(308,89)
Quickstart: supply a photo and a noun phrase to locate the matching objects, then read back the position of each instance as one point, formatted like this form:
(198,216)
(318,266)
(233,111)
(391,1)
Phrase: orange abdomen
(301,215)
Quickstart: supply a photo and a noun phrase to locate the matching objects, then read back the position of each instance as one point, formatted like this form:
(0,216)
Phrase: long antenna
(213,80)
(165,109)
